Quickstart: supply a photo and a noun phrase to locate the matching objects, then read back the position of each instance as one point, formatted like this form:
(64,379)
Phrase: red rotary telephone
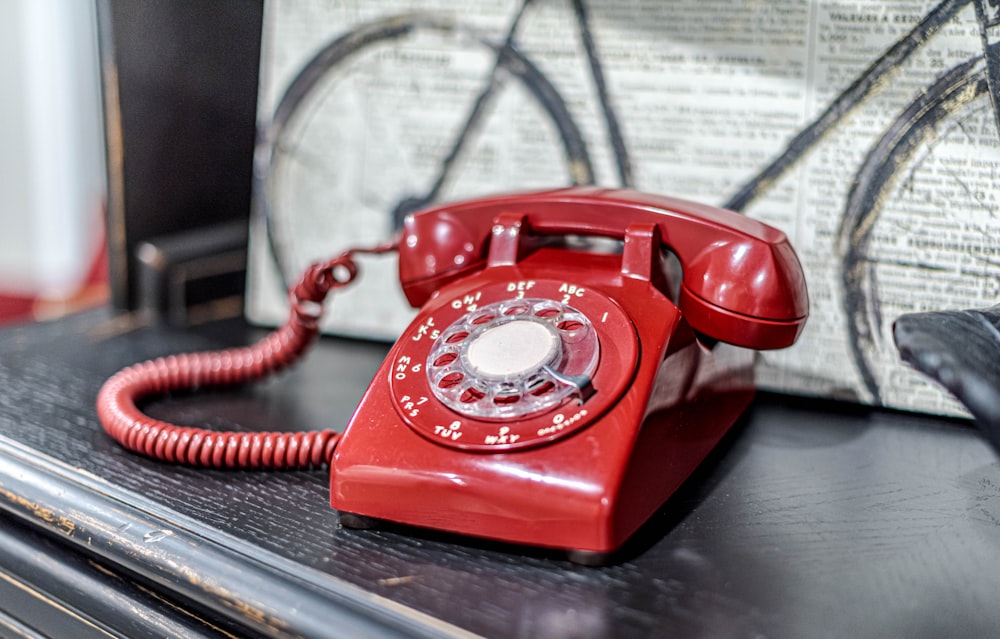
(545,394)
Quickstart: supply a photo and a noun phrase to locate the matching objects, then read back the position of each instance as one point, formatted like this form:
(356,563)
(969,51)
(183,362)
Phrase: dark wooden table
(814,519)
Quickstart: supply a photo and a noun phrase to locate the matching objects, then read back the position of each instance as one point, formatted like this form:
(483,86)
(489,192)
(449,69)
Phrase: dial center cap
(514,348)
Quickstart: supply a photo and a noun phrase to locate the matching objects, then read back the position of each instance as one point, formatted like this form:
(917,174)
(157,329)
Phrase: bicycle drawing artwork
(867,130)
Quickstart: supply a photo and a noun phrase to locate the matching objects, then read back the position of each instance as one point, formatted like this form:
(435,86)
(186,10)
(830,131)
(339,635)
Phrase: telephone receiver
(545,394)
(742,281)
(555,396)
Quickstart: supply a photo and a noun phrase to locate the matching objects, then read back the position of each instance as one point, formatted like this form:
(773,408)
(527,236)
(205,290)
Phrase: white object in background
(51,155)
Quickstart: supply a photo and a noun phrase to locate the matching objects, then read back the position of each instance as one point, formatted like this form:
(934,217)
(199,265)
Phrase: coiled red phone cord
(138,432)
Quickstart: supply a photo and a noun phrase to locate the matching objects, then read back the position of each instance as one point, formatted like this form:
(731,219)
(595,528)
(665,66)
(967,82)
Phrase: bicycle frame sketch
(881,170)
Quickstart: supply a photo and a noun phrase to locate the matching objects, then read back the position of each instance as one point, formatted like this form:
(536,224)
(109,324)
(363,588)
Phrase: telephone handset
(545,394)
(742,281)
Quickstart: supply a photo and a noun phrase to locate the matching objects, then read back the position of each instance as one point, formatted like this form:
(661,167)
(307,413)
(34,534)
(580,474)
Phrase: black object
(959,350)
(185,277)
(180,91)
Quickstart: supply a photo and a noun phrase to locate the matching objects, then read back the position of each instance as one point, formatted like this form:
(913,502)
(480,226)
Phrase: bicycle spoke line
(923,266)
(870,80)
(613,126)
(479,106)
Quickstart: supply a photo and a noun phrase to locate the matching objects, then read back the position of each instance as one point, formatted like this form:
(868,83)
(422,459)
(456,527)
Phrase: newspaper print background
(705,96)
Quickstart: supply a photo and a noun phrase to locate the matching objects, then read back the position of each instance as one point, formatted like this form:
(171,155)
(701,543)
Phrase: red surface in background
(93,291)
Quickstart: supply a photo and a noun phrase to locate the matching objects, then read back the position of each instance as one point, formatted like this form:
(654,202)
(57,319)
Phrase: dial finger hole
(478,319)
(445,359)
(547,309)
(455,337)
(517,308)
(540,386)
(572,326)
(506,394)
(569,325)
(471,395)
(451,380)
(506,400)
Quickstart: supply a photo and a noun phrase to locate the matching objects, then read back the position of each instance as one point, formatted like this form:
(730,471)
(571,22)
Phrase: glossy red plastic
(584,475)
(742,282)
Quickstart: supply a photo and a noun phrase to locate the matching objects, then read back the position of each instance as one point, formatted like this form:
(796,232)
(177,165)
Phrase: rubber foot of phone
(357,522)
(590,557)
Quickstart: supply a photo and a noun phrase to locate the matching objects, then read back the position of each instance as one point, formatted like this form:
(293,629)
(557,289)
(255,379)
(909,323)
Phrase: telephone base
(466,428)
(585,495)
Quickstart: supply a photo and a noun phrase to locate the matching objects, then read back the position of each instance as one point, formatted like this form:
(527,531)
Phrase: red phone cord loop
(138,432)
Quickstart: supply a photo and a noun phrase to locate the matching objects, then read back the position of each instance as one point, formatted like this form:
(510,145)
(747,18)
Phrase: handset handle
(742,281)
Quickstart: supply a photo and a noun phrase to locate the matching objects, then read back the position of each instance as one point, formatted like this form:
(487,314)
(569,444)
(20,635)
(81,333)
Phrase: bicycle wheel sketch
(900,232)
(349,152)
